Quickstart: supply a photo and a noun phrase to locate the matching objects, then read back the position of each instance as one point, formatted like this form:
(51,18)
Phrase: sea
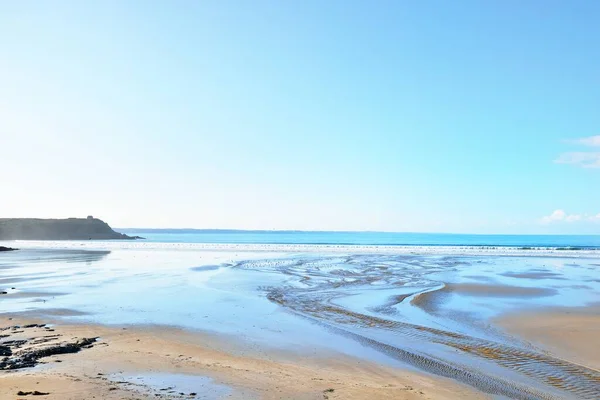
(217,236)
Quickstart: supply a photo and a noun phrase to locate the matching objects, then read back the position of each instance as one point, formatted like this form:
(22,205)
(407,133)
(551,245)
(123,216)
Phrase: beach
(260,321)
(570,333)
(112,367)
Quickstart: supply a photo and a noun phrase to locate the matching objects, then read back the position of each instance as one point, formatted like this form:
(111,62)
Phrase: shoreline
(138,351)
(448,250)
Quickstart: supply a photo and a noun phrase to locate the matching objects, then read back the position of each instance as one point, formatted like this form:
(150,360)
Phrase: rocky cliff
(58,229)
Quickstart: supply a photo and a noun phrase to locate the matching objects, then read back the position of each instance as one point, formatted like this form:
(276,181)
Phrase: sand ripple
(501,367)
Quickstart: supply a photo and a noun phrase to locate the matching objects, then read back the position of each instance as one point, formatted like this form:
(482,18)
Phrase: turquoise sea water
(362,238)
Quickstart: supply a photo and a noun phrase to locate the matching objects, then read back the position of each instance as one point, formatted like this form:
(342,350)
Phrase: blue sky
(470,116)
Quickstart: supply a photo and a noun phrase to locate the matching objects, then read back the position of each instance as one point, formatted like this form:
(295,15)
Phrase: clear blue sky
(462,116)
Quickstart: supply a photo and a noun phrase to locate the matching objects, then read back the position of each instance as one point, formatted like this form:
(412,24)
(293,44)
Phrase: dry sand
(572,334)
(138,350)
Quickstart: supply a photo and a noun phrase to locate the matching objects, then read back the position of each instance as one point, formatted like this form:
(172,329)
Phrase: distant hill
(58,229)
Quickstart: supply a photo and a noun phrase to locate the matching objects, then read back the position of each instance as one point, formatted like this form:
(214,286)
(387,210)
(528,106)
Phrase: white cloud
(593,141)
(580,159)
(584,159)
(557,215)
(562,216)
(573,218)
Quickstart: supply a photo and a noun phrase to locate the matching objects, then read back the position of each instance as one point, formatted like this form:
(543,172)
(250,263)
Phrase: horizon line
(350,231)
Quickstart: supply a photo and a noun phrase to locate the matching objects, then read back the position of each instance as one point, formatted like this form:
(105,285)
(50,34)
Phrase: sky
(418,116)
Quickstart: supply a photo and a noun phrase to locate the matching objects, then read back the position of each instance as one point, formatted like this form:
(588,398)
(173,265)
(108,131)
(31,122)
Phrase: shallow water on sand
(174,385)
(426,311)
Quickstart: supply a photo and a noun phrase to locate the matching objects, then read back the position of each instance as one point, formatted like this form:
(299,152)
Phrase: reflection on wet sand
(534,274)
(13,293)
(173,385)
(47,312)
(477,289)
(13,275)
(50,255)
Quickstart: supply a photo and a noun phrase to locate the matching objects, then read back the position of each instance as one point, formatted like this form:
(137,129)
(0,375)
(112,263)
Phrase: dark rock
(34,393)
(5,351)
(2,248)
(14,343)
(29,358)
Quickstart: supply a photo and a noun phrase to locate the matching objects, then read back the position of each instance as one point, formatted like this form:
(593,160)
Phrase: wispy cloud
(557,215)
(583,159)
(593,141)
(562,216)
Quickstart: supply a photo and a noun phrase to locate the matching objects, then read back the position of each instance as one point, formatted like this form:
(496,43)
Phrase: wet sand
(430,301)
(470,289)
(139,351)
(572,334)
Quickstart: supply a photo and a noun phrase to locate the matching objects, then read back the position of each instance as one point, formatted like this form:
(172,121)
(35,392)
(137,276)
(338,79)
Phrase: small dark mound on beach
(33,393)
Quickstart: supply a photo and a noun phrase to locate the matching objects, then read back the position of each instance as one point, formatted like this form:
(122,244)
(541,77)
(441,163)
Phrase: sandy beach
(569,333)
(101,371)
